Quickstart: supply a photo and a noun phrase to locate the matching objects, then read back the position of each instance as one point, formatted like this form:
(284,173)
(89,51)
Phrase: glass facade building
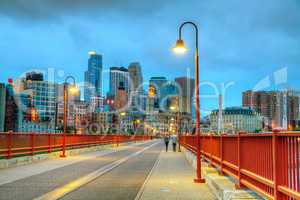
(93,77)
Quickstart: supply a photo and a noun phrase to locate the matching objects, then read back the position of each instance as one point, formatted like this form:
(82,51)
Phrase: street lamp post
(73,89)
(180,48)
(178,130)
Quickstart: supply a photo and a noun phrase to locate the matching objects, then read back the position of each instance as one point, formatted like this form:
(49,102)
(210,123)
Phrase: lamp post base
(239,186)
(197,180)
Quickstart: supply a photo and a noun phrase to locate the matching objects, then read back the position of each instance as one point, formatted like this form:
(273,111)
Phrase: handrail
(23,144)
(268,163)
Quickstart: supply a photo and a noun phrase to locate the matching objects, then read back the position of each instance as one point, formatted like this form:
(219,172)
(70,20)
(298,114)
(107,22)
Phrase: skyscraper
(135,85)
(118,76)
(187,87)
(11,109)
(158,83)
(2,106)
(121,98)
(136,77)
(93,77)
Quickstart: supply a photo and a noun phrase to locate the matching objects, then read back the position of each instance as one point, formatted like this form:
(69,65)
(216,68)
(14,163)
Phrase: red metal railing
(21,144)
(266,163)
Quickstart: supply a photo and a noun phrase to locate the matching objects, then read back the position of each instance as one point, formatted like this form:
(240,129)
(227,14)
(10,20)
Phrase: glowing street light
(123,114)
(180,49)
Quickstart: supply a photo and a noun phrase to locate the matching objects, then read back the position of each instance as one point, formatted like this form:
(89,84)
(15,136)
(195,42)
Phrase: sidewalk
(172,178)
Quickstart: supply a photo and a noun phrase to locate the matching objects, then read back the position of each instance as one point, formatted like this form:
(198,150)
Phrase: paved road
(122,182)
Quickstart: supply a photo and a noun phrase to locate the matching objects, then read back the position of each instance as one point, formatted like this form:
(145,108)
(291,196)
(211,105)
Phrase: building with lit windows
(118,76)
(280,109)
(93,77)
(2,106)
(235,119)
(38,97)
(135,86)
(187,87)
(11,108)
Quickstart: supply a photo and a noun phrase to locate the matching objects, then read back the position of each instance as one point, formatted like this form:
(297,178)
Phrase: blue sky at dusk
(242,42)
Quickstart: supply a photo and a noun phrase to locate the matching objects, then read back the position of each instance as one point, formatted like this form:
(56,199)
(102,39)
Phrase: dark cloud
(233,33)
(37,10)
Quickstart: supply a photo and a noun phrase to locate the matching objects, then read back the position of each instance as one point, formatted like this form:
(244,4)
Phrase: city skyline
(230,42)
(149,99)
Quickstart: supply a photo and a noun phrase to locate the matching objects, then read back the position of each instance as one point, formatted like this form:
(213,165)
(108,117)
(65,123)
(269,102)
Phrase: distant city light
(91,53)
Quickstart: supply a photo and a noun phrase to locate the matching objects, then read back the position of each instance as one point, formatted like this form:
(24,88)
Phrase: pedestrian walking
(166,139)
(174,142)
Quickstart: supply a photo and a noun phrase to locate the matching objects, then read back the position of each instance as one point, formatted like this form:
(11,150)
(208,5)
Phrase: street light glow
(179,47)
(73,89)
(122,113)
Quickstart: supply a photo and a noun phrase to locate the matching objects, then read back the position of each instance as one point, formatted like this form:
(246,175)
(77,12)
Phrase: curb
(221,186)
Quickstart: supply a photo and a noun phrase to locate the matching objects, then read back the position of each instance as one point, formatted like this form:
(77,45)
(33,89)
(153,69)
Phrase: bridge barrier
(267,163)
(24,144)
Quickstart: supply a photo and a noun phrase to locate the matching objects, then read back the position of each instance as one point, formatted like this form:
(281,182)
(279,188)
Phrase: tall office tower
(187,87)
(2,106)
(93,77)
(159,83)
(267,103)
(151,104)
(171,100)
(136,77)
(118,76)
(11,109)
(292,108)
(135,85)
(274,106)
(39,97)
(121,99)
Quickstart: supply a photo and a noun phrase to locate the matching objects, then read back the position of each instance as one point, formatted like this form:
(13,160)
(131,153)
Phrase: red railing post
(239,185)
(49,143)
(221,154)
(32,143)
(210,148)
(9,144)
(116,138)
(274,163)
(63,145)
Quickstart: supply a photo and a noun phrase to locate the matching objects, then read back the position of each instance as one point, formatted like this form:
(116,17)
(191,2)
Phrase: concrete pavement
(172,178)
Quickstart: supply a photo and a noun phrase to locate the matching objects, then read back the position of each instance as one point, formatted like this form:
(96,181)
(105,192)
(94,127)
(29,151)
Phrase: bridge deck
(87,176)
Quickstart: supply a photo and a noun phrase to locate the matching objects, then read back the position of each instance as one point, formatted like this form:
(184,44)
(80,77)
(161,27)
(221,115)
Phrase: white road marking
(142,189)
(73,185)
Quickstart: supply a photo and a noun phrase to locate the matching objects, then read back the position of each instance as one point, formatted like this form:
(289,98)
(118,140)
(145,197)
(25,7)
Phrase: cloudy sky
(245,44)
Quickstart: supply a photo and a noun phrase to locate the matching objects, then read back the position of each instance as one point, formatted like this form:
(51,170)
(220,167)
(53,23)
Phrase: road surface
(118,175)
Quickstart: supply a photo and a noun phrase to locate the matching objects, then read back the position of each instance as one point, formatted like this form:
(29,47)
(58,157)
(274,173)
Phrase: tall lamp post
(180,49)
(73,89)
(178,130)
(173,108)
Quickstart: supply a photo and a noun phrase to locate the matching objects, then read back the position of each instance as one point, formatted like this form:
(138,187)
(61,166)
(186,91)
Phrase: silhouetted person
(167,139)
(174,142)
